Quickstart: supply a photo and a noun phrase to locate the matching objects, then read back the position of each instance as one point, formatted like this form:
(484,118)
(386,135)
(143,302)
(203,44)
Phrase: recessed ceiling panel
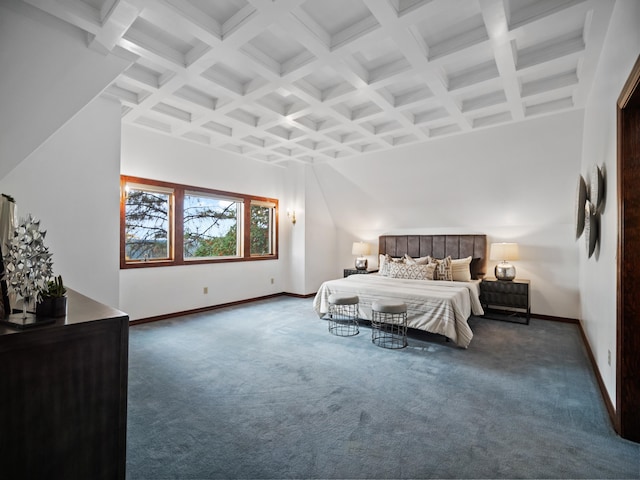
(157,36)
(452,29)
(335,16)
(276,44)
(219,10)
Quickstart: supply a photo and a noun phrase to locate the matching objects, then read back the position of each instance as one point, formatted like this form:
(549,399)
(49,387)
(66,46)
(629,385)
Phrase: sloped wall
(48,76)
(71,183)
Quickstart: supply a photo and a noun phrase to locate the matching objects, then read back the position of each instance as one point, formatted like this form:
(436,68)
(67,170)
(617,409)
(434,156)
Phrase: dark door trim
(627,419)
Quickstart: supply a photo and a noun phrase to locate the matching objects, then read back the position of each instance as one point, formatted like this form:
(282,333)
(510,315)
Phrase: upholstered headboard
(439,246)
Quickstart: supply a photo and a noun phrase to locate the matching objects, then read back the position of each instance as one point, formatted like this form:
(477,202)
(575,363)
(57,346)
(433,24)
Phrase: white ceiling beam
(494,16)
(117,16)
(206,79)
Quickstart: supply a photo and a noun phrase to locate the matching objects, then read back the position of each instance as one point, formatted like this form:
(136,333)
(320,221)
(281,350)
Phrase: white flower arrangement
(28,263)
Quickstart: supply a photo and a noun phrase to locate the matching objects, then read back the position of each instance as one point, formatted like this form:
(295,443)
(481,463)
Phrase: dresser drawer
(503,296)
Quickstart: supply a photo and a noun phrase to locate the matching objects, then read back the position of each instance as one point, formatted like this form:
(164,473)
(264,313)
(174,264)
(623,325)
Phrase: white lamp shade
(504,251)
(360,249)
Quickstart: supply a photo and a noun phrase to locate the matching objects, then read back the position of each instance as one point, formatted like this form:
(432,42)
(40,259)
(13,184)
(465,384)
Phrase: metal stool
(389,324)
(343,315)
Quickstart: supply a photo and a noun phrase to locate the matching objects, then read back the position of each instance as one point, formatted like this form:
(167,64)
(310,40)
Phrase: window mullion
(178,224)
(246,228)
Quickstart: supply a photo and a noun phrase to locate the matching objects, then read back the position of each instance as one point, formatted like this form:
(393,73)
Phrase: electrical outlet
(205,290)
(609,357)
(272,281)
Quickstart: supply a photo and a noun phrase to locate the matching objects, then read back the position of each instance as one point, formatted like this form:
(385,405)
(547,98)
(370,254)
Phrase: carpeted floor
(264,391)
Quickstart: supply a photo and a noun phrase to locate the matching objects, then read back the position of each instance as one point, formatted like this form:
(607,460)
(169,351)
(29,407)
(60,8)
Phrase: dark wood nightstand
(355,271)
(506,300)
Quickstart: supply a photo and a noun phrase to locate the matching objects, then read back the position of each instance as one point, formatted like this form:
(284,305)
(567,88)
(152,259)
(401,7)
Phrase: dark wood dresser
(63,395)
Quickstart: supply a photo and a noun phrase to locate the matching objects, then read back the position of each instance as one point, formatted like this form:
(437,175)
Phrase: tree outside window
(262,221)
(210,227)
(147,234)
(164,224)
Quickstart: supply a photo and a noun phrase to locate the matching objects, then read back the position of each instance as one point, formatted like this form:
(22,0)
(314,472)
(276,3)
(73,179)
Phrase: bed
(437,306)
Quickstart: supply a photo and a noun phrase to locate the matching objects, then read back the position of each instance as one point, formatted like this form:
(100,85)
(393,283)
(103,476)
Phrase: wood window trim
(177,217)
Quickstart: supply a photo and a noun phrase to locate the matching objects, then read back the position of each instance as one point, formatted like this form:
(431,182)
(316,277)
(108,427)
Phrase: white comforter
(435,306)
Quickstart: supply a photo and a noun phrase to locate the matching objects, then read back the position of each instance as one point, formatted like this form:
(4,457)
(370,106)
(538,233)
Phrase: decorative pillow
(384,262)
(416,261)
(381,262)
(443,268)
(461,269)
(412,271)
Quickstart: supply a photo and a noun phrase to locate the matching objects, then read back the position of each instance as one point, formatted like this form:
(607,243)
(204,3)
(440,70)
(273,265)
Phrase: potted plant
(53,299)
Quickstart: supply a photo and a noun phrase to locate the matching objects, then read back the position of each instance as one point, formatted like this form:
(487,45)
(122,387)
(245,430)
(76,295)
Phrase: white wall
(320,241)
(294,201)
(513,183)
(147,292)
(71,183)
(312,251)
(47,75)
(598,281)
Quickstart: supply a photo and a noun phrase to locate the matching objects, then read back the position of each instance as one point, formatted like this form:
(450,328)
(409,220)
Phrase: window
(148,223)
(166,224)
(262,222)
(211,226)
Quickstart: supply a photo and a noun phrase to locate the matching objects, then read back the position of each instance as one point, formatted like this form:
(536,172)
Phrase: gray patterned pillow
(412,271)
(443,268)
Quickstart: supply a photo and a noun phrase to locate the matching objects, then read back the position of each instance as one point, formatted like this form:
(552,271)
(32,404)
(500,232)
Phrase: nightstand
(355,271)
(506,300)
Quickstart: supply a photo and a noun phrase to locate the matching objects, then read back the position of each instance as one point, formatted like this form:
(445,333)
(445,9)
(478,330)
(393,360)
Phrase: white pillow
(384,261)
(412,271)
(461,269)
(381,262)
(416,261)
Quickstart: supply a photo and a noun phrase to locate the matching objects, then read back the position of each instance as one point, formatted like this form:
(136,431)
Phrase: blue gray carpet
(264,391)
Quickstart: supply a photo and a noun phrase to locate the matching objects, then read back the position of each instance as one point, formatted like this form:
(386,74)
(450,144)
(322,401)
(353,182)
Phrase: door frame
(627,418)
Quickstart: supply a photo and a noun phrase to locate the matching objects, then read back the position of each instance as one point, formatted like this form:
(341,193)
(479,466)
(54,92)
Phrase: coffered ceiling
(311,80)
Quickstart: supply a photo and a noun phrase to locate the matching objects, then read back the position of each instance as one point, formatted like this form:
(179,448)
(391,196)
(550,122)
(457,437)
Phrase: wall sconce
(292,216)
(504,252)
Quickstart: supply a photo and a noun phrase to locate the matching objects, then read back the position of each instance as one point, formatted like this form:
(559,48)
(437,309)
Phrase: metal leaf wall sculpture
(589,202)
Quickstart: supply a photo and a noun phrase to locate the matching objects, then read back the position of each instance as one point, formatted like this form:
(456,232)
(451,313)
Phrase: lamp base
(361,264)
(505,271)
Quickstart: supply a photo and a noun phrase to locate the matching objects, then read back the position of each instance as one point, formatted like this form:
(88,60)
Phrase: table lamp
(360,249)
(504,252)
